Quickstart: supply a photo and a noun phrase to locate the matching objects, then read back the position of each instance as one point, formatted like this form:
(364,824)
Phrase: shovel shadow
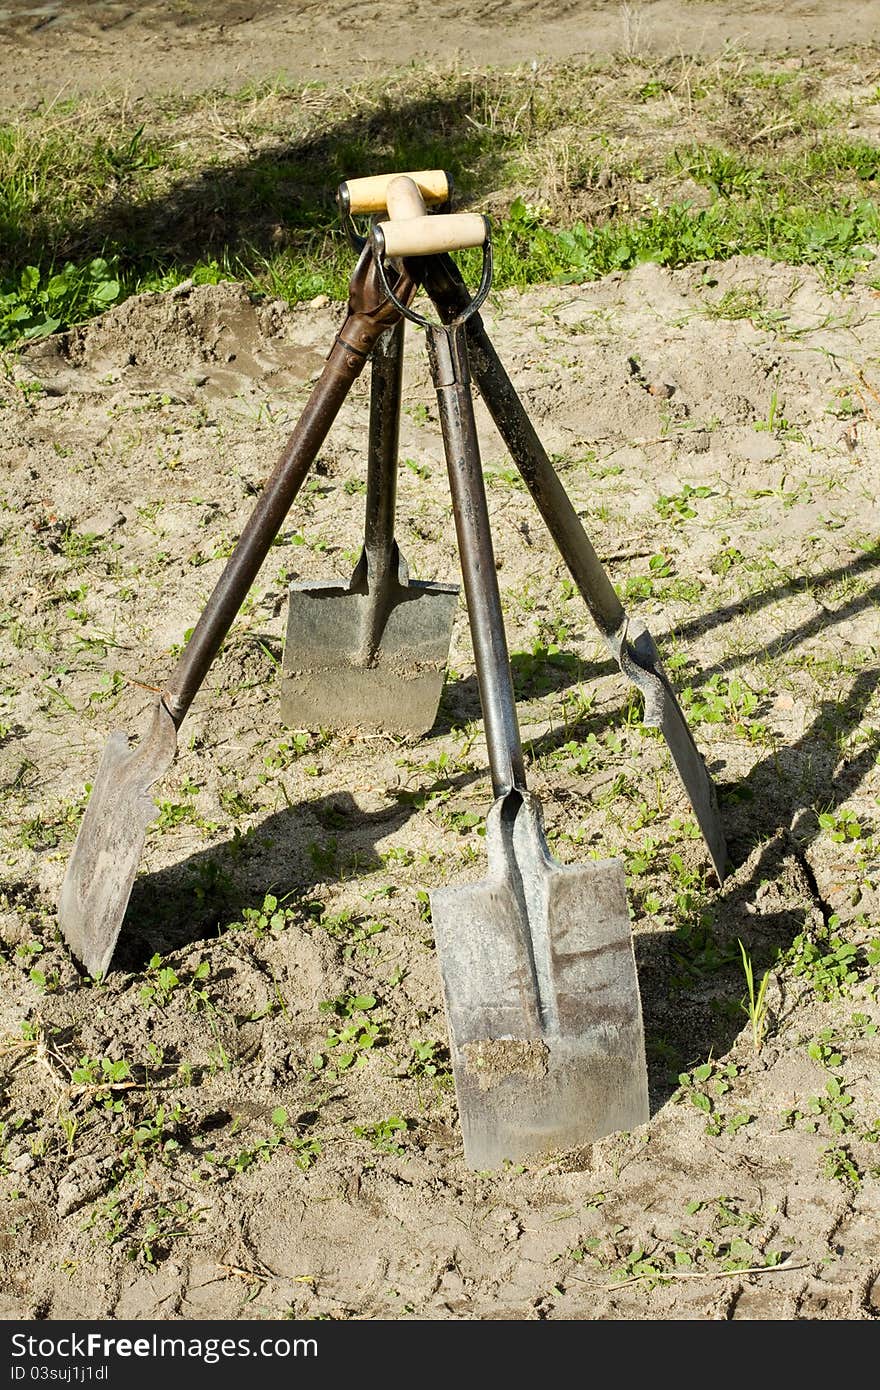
(692,980)
(534,677)
(692,1010)
(291,852)
(814,584)
(288,854)
(239,212)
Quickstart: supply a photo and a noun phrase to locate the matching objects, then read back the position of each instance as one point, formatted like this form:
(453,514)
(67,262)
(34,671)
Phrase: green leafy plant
(353,934)
(323,854)
(98,1071)
(163,980)
(624,1259)
(837,1162)
(39,304)
(680,506)
(47,981)
(350,1045)
(843,825)
(721,700)
(130,155)
(345,1005)
(158,1130)
(383,1134)
(304,1148)
(270,919)
(825,960)
(169,1223)
(822,1049)
(833,1108)
(705,1087)
(429,1059)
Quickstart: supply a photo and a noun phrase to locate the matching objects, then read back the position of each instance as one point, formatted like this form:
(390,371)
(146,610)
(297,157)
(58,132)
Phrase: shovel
(101,870)
(371,653)
(628,640)
(537,961)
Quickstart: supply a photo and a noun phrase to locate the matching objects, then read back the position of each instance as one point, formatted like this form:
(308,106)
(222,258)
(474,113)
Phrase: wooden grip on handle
(429,236)
(404,199)
(410,232)
(371,194)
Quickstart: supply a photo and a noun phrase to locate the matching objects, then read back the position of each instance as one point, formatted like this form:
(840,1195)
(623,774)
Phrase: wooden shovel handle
(410,232)
(371,194)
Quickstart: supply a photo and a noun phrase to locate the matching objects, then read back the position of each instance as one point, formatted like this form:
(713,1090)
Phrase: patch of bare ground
(253,1114)
(73,47)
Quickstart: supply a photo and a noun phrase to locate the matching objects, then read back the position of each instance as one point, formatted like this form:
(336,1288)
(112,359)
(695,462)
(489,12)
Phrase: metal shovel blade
(636,653)
(368,655)
(542,997)
(102,867)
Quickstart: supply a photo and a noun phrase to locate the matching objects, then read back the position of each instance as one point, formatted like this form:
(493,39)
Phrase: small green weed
(39,304)
(383,1135)
(354,934)
(163,982)
(679,506)
(175,813)
(421,470)
(837,1162)
(833,1108)
(346,1005)
(46,981)
(705,1087)
(305,1149)
(323,854)
(842,826)
(722,700)
(350,1045)
(168,1223)
(100,1074)
(684,1253)
(823,1050)
(826,961)
(270,919)
(429,1059)
(738,303)
(756,1008)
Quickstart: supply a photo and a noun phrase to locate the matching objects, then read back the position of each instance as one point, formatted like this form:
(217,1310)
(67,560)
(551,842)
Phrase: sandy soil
(726,468)
(76,46)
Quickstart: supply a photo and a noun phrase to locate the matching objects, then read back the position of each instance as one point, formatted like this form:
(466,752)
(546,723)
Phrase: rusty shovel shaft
(449,367)
(101,871)
(345,362)
(629,641)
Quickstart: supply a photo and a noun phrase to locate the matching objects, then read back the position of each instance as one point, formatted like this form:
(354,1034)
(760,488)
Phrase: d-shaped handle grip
(411,232)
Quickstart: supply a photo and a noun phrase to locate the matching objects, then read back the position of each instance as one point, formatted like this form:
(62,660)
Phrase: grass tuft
(584,171)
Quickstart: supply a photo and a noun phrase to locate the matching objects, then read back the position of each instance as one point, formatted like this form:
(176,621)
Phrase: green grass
(584,171)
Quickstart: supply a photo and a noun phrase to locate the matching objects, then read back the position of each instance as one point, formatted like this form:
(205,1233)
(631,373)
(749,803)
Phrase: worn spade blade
(102,867)
(366,655)
(542,997)
(636,653)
